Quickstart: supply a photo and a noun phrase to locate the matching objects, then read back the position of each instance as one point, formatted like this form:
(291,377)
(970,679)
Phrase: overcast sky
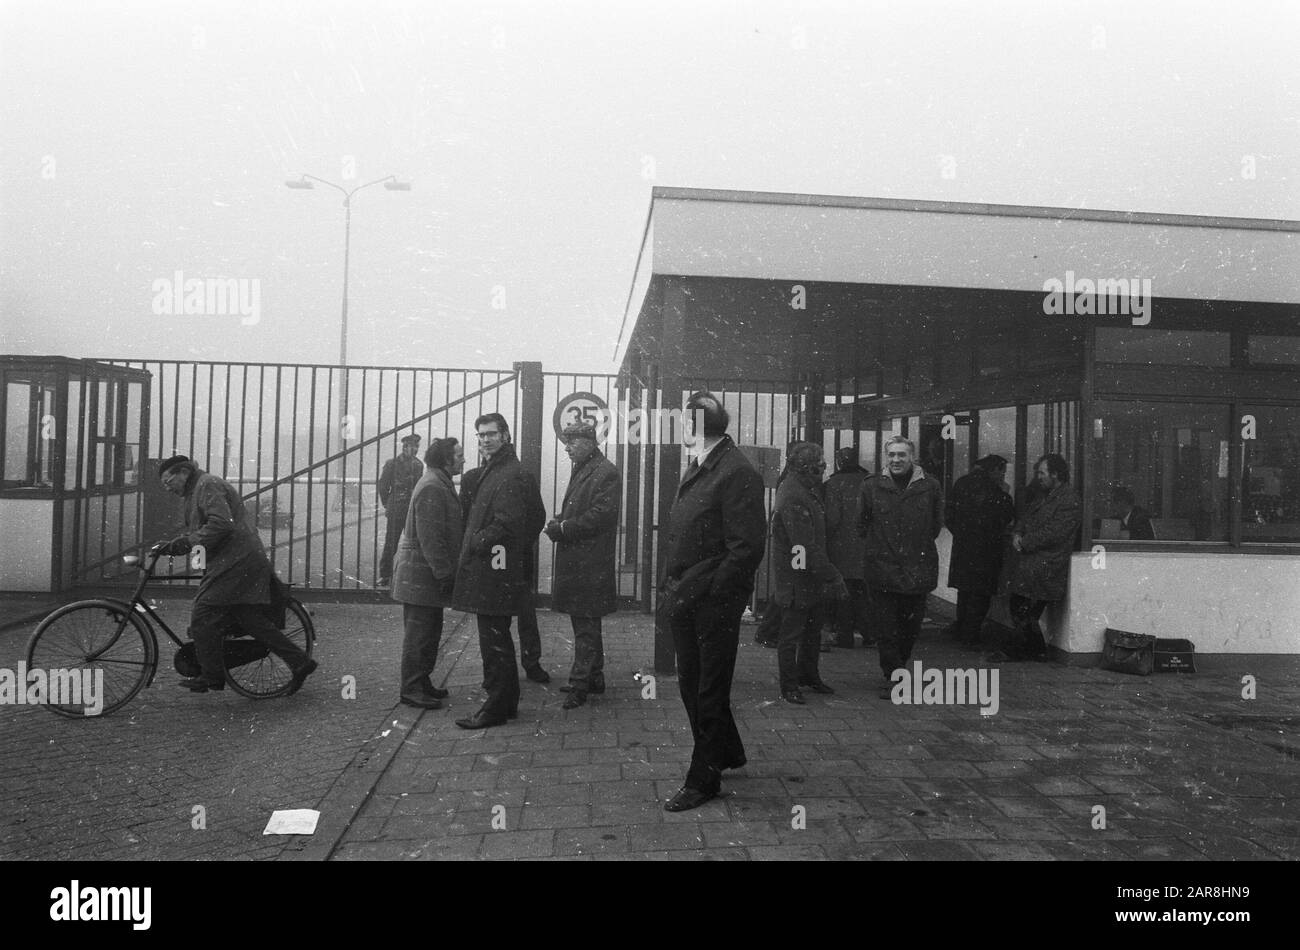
(141,139)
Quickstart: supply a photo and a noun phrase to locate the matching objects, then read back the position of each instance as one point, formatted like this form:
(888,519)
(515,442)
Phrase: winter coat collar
(887,478)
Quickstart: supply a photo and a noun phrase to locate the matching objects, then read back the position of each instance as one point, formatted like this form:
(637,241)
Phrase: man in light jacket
(424,571)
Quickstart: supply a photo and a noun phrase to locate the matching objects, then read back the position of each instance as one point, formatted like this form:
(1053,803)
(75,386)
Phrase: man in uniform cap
(396,483)
(236,585)
(586,536)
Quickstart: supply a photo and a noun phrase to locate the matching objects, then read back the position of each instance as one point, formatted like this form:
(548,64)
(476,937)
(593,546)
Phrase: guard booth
(71,443)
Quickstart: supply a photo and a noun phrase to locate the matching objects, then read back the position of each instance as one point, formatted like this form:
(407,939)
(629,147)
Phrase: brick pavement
(873,780)
(1184,767)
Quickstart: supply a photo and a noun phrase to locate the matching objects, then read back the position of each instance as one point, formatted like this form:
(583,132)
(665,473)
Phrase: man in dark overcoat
(902,514)
(530,634)
(586,536)
(424,571)
(236,587)
(845,547)
(807,583)
(491,579)
(396,482)
(978,513)
(1043,540)
(713,544)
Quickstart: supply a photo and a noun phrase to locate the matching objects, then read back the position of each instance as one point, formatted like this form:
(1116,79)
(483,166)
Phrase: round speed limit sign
(580,408)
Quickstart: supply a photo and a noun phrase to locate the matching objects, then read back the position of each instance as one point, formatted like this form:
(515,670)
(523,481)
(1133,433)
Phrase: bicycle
(117,637)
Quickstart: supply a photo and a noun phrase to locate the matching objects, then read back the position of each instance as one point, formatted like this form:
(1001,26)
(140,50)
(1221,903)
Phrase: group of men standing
(874,576)
(473,551)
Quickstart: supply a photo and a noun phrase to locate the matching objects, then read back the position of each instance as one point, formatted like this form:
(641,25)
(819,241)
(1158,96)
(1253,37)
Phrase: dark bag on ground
(1126,652)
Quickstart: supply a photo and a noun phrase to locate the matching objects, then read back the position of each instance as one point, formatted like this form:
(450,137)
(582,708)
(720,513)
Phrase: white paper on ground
(294,821)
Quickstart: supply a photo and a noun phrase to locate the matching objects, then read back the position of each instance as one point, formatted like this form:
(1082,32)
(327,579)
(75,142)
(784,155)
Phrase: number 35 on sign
(582,408)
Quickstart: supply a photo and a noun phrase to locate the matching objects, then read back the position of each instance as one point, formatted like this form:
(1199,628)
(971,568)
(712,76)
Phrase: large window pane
(997,434)
(1162,347)
(18,410)
(1171,458)
(1270,509)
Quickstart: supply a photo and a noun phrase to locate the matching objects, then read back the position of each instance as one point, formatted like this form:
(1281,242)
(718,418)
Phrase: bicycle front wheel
(259,674)
(95,656)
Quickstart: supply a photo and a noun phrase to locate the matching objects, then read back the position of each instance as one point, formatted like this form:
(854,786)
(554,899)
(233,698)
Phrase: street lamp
(391,183)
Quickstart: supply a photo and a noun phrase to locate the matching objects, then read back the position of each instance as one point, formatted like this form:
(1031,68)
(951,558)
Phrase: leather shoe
(424,702)
(826,646)
(197,684)
(479,721)
(575,699)
(794,696)
(538,675)
(436,693)
(689,798)
(569,688)
(817,687)
(736,763)
(886,691)
(300,675)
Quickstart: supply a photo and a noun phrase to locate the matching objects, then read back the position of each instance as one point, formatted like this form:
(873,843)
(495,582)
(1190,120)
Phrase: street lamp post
(305,182)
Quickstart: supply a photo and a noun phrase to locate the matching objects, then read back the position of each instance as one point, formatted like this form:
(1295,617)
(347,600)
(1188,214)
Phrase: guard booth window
(115,442)
(31,418)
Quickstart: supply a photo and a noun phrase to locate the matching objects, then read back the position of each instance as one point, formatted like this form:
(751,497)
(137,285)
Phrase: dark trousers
(1029,636)
(799,646)
(423,633)
(530,636)
(588,671)
(769,629)
(706,640)
(972,608)
(898,620)
(393,534)
(208,627)
(500,678)
(854,614)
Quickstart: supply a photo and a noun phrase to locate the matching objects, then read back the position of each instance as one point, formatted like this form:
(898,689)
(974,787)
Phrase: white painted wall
(28,532)
(1223,603)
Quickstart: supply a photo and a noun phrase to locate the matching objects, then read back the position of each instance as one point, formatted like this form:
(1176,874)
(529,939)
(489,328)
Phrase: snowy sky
(142,139)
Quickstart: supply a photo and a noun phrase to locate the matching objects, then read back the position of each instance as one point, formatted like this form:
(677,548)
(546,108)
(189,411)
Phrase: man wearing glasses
(491,579)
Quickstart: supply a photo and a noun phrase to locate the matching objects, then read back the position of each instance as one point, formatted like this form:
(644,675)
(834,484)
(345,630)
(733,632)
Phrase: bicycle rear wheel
(94,654)
(266,676)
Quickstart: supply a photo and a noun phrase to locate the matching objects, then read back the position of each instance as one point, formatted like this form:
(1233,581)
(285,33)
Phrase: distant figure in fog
(586,536)
(396,483)
(425,570)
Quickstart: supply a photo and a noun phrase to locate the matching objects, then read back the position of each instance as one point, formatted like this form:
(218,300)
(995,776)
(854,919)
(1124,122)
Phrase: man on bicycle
(236,585)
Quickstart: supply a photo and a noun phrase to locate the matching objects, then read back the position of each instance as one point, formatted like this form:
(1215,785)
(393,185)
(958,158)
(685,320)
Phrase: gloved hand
(838,590)
(553,530)
(446,586)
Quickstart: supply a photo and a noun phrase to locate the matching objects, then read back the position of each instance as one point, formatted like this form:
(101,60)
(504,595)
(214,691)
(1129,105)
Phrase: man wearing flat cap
(396,483)
(978,513)
(236,584)
(586,535)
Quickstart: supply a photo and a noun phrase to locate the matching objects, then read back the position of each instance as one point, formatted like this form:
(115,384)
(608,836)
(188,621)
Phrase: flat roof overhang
(877,241)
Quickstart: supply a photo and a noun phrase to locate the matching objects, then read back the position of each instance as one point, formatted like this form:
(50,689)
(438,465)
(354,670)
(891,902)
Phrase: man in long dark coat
(846,550)
(1043,540)
(978,513)
(530,634)
(396,483)
(586,536)
(236,587)
(713,544)
(490,580)
(424,571)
